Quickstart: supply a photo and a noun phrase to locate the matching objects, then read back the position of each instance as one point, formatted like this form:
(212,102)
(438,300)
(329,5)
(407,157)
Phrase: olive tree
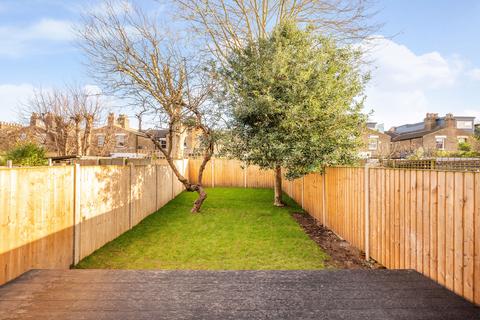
(295,99)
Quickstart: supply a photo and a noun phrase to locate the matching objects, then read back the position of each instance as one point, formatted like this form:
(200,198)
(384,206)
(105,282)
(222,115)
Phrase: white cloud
(12,97)
(92,89)
(402,81)
(474,74)
(19,40)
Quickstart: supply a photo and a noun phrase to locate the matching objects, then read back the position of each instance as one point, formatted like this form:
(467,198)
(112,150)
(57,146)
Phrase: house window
(120,140)
(372,142)
(462,124)
(163,143)
(440,142)
(462,139)
(100,140)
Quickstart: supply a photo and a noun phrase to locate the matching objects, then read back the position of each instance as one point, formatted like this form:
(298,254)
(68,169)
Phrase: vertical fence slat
(476,279)
(458,234)
(469,235)
(449,230)
(441,227)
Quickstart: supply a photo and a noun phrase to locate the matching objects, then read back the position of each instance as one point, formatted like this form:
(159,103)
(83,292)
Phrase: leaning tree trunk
(202,195)
(191,187)
(278,187)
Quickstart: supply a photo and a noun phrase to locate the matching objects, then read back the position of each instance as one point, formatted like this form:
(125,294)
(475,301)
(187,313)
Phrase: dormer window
(464,124)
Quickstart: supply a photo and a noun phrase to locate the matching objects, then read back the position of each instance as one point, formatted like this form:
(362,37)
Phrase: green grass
(238,229)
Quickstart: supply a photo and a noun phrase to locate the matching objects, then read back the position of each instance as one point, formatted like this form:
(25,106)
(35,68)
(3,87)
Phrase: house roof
(417,130)
(158,133)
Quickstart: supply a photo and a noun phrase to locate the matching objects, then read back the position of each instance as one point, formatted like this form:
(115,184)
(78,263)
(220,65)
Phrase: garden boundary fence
(52,217)
(426,220)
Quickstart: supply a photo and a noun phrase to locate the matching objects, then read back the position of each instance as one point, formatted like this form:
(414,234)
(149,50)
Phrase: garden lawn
(238,229)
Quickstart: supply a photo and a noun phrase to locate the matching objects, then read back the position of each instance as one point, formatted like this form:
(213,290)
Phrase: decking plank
(142,294)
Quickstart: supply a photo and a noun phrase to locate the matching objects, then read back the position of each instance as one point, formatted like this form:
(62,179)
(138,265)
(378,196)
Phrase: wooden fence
(51,217)
(403,218)
(230,173)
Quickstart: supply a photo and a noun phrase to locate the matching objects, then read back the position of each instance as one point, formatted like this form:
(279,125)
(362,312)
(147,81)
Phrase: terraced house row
(433,134)
(115,138)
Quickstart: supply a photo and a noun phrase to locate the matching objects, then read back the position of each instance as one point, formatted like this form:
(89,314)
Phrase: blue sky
(426,57)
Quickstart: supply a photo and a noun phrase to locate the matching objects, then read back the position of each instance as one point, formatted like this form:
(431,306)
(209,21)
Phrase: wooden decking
(129,294)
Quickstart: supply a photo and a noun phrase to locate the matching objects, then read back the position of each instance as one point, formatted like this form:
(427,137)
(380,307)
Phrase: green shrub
(28,154)
(464,146)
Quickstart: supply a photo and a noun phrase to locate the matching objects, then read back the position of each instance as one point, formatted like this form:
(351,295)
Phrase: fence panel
(143,192)
(229,173)
(36,216)
(345,208)
(313,196)
(105,205)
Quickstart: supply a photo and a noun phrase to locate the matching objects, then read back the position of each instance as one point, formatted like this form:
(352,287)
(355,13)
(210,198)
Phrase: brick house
(116,137)
(376,144)
(433,134)
(13,133)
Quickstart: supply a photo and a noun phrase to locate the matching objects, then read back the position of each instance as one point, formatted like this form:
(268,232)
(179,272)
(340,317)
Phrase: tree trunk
(88,134)
(198,187)
(278,188)
(78,138)
(202,195)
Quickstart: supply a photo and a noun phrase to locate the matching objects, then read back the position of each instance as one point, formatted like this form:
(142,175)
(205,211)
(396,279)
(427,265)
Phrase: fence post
(172,182)
(77,217)
(245,175)
(303,187)
(132,195)
(213,172)
(367,213)
(324,198)
(156,186)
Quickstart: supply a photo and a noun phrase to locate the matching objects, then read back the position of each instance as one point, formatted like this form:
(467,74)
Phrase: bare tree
(64,118)
(230,24)
(133,56)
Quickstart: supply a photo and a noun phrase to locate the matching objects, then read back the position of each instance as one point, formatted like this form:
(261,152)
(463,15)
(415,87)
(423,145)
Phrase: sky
(425,58)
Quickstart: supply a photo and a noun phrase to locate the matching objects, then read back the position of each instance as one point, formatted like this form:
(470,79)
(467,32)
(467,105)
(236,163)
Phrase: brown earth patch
(342,254)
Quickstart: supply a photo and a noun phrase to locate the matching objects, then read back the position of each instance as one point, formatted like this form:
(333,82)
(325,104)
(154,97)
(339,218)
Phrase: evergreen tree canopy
(295,100)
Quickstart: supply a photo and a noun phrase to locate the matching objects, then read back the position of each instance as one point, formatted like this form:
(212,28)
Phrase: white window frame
(437,139)
(98,140)
(372,139)
(465,124)
(123,135)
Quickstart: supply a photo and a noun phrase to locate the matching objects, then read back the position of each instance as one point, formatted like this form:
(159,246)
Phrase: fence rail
(455,164)
(51,217)
(427,220)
